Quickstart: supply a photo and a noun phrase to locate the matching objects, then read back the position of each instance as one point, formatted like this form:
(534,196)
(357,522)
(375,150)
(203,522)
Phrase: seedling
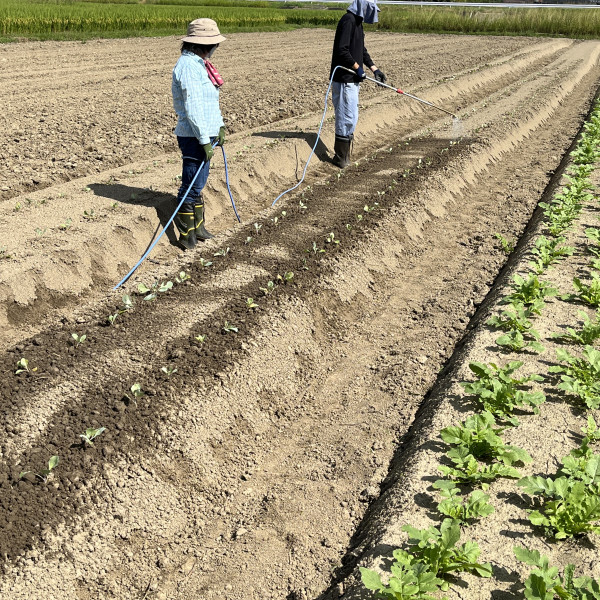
(587,335)
(250,303)
(204,263)
(18,207)
(90,215)
(44,474)
(287,277)
(66,225)
(517,342)
(466,469)
(183,276)
(475,506)
(316,249)
(257,227)
(580,377)
(227,327)
(545,583)
(507,245)
(91,434)
(22,366)
(248,239)
(39,232)
(499,393)
(136,392)
(549,251)
(78,339)
(165,286)
(200,338)
(169,370)
(112,318)
(331,239)
(432,554)
(517,319)
(588,294)
(127,302)
(302,205)
(269,289)
(530,291)
(221,252)
(4,253)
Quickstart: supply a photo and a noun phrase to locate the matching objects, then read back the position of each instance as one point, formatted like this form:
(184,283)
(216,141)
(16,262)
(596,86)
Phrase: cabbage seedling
(44,474)
(183,276)
(91,434)
(250,303)
(165,287)
(78,339)
(89,215)
(331,239)
(127,302)
(221,252)
(507,245)
(200,338)
(168,371)
(227,327)
(269,289)
(22,366)
(112,318)
(257,227)
(204,263)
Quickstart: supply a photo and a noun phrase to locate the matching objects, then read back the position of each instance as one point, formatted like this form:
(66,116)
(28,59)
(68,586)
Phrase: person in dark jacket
(349,51)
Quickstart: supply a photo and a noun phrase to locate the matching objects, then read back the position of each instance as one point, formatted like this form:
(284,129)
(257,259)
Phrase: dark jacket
(349,48)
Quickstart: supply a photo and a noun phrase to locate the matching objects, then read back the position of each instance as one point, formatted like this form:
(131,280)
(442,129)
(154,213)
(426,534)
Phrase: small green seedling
(127,302)
(287,277)
(165,286)
(248,239)
(4,253)
(331,239)
(90,435)
(90,215)
(22,366)
(200,338)
(78,339)
(112,318)
(269,289)
(222,252)
(39,232)
(204,263)
(168,371)
(257,227)
(227,327)
(66,225)
(316,249)
(44,474)
(250,303)
(183,276)
(302,205)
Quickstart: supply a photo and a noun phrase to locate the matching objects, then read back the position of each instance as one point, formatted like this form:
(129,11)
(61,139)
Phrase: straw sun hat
(203,31)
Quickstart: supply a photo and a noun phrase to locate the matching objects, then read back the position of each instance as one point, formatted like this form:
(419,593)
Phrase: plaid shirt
(195,99)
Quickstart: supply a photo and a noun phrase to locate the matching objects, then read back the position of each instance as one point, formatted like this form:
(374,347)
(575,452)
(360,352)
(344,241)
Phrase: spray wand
(399,91)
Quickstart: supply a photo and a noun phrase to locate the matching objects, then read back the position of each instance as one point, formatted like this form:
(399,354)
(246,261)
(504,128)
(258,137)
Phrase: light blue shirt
(195,99)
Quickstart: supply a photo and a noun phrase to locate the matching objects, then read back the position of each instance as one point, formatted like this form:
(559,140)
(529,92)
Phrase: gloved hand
(380,76)
(221,136)
(360,73)
(208,150)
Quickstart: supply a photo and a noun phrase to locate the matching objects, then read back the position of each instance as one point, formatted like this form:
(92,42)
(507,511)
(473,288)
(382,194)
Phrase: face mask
(212,50)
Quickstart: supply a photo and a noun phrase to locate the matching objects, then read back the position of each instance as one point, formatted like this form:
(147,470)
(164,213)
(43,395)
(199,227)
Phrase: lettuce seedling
(222,252)
(91,434)
(200,338)
(112,318)
(549,251)
(78,339)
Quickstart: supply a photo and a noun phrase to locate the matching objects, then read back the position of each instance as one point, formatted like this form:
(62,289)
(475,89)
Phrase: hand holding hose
(221,136)
(208,150)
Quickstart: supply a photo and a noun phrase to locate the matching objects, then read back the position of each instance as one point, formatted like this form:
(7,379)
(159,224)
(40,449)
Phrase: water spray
(399,91)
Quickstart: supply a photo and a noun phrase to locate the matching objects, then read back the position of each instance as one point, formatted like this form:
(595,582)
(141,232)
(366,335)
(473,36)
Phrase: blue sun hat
(367,9)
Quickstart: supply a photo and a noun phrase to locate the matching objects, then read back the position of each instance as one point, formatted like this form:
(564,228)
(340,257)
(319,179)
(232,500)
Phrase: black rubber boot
(184,221)
(342,151)
(201,232)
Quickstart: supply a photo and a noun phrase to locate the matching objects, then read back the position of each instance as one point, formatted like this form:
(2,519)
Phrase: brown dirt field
(246,473)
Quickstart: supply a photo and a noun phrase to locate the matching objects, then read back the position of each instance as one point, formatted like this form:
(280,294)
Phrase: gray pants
(345,104)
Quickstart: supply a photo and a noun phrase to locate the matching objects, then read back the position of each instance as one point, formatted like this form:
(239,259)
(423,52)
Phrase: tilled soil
(245,472)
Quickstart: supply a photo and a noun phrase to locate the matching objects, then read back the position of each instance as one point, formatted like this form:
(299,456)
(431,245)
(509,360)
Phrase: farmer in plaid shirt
(195,90)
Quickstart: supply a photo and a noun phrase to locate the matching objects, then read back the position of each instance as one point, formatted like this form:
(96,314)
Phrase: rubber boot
(184,221)
(201,232)
(342,151)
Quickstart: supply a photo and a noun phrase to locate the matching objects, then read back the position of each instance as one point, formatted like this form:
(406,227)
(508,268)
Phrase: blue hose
(145,255)
(316,141)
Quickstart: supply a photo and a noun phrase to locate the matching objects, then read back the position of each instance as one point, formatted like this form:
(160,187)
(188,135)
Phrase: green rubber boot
(184,221)
(201,232)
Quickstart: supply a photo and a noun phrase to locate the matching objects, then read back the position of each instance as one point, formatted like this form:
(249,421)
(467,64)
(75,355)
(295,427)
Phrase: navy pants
(193,156)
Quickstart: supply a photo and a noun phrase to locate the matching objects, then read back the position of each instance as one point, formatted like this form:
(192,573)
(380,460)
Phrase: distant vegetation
(70,19)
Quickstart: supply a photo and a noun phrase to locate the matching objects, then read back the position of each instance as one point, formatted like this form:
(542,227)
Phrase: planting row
(564,504)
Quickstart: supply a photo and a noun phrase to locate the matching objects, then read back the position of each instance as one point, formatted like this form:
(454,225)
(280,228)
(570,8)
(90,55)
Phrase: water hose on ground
(166,226)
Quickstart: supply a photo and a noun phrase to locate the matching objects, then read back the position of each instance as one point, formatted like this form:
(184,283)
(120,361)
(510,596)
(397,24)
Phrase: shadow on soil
(321,150)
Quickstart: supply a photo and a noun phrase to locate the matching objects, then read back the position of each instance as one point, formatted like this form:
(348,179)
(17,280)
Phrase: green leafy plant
(548,251)
(127,302)
(66,225)
(331,239)
(286,277)
(580,376)
(183,276)
(269,289)
(90,215)
(169,370)
(515,341)
(530,291)
(480,437)
(22,366)
(200,338)
(316,249)
(204,263)
(112,318)
(222,252)
(250,303)
(431,554)
(44,474)
(78,339)
(517,319)
(91,434)
(500,393)
(467,469)
(227,328)
(588,294)
(587,335)
(507,245)
(475,506)
(137,392)
(545,583)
